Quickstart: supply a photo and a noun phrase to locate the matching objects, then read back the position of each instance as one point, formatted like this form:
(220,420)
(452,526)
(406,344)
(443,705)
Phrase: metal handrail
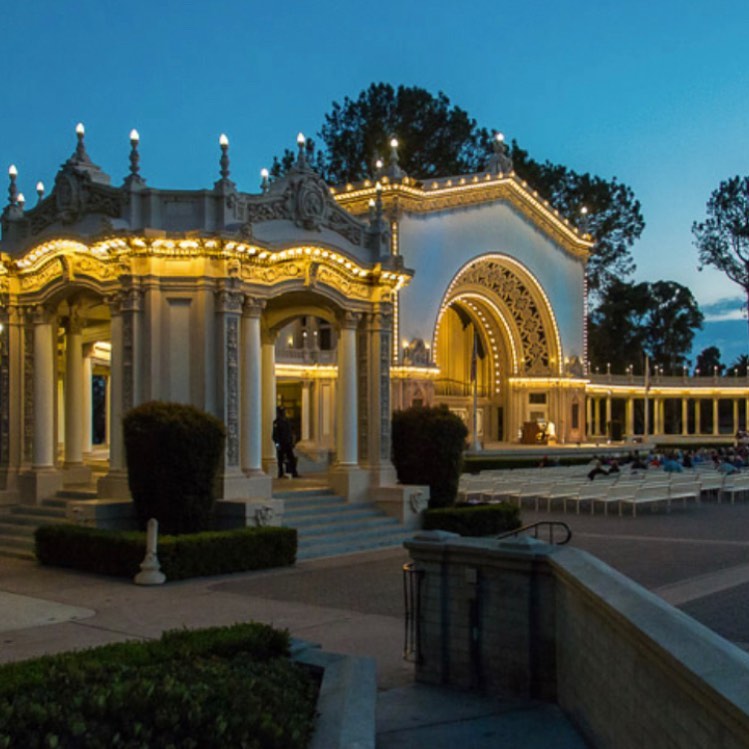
(551,525)
(412,578)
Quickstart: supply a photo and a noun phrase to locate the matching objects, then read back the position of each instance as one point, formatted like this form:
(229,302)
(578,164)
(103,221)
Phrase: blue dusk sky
(653,93)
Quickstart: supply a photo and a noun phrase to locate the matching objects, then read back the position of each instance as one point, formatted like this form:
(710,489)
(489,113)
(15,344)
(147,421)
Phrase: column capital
(253,307)
(39,314)
(132,300)
(229,300)
(115,302)
(350,320)
(74,322)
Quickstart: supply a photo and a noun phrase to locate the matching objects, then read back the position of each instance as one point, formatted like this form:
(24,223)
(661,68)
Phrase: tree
(708,360)
(741,365)
(632,320)
(437,139)
(614,217)
(723,238)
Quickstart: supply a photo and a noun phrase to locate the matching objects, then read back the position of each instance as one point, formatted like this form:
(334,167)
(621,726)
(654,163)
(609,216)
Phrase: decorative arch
(525,316)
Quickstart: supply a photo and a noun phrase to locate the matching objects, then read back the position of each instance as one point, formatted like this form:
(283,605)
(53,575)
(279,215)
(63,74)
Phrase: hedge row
(120,553)
(474,520)
(228,686)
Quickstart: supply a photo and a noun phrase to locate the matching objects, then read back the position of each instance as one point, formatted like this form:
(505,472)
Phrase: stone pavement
(697,558)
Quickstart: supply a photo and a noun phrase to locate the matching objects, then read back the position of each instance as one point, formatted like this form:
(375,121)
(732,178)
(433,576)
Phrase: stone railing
(523,619)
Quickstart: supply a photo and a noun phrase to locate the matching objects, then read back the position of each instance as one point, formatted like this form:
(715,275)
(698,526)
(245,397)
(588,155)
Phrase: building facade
(340,304)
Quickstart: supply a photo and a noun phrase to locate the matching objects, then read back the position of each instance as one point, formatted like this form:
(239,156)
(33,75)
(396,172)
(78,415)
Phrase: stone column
(684,416)
(43,480)
(114,484)
(597,417)
(589,415)
(75,472)
(306,410)
(14,399)
(252,400)
(629,418)
(269,401)
(347,478)
(608,413)
(88,400)
(347,449)
(698,416)
(229,302)
(375,398)
(735,415)
(716,425)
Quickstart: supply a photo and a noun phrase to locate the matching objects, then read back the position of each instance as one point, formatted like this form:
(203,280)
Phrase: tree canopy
(723,238)
(658,319)
(708,361)
(437,139)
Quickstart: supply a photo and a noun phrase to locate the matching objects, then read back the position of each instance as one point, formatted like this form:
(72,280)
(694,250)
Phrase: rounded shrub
(173,455)
(428,444)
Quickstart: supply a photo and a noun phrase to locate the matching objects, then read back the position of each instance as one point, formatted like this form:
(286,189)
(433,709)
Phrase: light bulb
(223,141)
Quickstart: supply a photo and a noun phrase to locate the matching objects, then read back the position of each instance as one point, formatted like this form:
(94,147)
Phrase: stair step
(371,525)
(54,502)
(292,494)
(333,548)
(65,494)
(16,542)
(38,511)
(25,530)
(320,516)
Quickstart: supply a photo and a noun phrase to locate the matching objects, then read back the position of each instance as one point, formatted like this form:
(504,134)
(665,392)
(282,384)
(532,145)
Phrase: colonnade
(600,413)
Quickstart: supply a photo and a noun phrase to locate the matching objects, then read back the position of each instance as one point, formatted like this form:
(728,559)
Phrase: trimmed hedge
(474,520)
(120,553)
(173,454)
(225,686)
(428,447)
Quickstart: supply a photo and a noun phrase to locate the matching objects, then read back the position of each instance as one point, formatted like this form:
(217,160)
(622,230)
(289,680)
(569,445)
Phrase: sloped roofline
(412,196)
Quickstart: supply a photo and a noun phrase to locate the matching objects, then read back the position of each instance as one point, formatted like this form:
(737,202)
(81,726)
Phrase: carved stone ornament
(264,515)
(519,301)
(418,502)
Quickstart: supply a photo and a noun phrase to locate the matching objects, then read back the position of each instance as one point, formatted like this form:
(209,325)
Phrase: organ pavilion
(339,303)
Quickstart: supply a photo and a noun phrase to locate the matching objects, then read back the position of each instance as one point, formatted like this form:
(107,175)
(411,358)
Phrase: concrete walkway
(696,558)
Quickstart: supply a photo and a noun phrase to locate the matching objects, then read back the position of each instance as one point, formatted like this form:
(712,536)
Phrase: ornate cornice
(409,196)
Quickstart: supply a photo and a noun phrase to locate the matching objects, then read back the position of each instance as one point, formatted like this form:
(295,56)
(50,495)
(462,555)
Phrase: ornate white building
(341,304)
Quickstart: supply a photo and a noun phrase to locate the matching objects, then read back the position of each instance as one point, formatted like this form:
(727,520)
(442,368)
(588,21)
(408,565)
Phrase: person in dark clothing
(283,438)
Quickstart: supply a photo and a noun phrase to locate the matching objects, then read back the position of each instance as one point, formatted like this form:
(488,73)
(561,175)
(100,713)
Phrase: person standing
(283,438)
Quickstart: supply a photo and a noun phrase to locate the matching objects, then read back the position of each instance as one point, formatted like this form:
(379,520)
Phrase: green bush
(474,520)
(174,452)
(228,686)
(120,553)
(428,447)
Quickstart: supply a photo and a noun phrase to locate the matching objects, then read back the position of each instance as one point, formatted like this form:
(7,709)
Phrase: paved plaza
(696,558)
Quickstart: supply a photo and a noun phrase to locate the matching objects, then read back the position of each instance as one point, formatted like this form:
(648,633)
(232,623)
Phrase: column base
(39,483)
(351,482)
(383,474)
(75,473)
(114,485)
(235,485)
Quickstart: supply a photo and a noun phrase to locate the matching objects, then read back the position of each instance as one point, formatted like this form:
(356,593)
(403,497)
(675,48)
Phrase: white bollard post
(150,569)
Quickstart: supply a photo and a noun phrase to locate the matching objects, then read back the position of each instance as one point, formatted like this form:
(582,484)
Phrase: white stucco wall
(437,245)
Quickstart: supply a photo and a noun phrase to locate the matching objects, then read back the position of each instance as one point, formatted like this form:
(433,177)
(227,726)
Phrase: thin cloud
(731,308)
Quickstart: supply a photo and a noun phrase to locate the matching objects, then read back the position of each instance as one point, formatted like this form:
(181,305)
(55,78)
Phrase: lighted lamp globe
(379,164)
(40,188)
(264,173)
(584,210)
(12,171)
(79,129)
(300,139)
(21,199)
(134,136)
(393,143)
(223,141)
(499,137)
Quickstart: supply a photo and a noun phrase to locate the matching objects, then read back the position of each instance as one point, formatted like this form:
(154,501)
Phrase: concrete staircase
(18,522)
(329,526)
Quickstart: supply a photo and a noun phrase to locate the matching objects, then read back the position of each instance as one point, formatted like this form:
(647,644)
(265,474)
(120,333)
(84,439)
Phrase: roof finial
(301,142)
(40,191)
(499,162)
(584,219)
(80,149)
(393,170)
(12,189)
(223,141)
(264,181)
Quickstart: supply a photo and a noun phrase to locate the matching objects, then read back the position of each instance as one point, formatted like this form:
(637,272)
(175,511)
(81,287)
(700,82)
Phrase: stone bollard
(150,569)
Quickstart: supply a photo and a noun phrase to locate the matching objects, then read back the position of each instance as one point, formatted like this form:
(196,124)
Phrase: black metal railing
(550,526)
(412,578)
